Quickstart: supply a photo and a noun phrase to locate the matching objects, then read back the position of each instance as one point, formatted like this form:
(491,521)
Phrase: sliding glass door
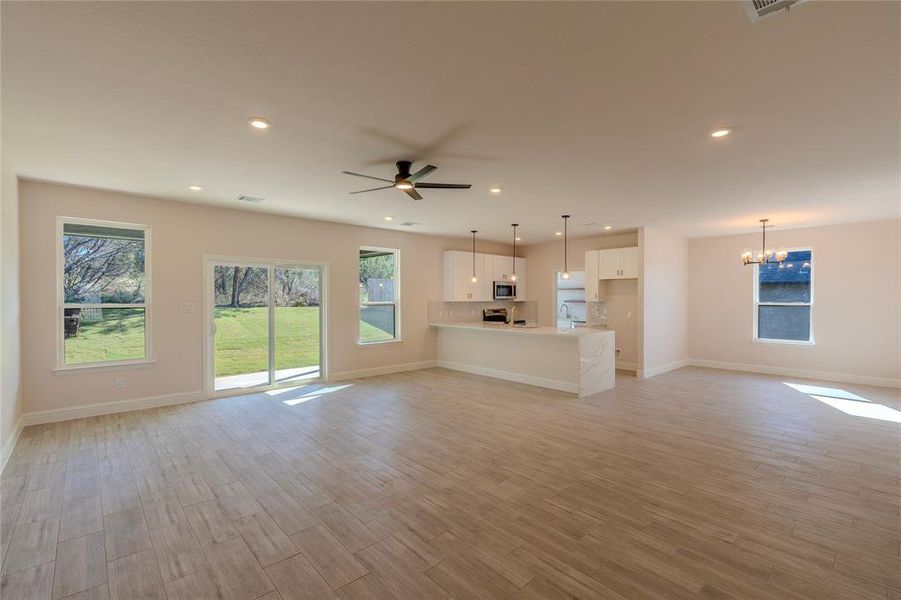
(266,324)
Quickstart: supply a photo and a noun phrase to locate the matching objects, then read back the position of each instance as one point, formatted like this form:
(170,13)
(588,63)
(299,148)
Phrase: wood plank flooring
(436,484)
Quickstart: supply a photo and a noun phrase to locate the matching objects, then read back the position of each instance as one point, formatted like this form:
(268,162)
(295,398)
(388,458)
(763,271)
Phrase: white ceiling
(598,109)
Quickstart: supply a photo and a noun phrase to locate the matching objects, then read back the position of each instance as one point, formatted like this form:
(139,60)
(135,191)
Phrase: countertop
(528,330)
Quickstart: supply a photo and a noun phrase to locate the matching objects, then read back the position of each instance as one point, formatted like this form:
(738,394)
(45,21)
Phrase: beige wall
(857,295)
(182,234)
(10,389)
(621,296)
(663,294)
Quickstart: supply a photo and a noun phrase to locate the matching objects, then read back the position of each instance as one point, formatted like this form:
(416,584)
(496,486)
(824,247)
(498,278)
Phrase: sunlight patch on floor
(848,403)
(299,395)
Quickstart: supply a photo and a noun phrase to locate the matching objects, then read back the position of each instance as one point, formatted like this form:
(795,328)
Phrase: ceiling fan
(410,182)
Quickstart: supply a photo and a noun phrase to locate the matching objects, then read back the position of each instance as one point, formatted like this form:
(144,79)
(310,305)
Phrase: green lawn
(118,336)
(241,338)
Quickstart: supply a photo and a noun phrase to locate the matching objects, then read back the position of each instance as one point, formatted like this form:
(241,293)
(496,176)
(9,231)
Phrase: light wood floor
(436,484)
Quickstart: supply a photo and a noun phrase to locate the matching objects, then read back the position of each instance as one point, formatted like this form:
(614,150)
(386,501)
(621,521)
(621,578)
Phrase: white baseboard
(386,370)
(10,444)
(801,373)
(678,364)
(544,382)
(108,408)
(626,366)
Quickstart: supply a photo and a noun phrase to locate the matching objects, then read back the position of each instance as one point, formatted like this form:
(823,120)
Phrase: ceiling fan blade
(384,187)
(413,194)
(421,173)
(367,176)
(444,186)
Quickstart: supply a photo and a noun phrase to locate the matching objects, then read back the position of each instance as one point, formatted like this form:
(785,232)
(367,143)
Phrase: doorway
(265,324)
(570,299)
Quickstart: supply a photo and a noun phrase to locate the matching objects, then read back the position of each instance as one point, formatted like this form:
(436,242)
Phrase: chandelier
(764,255)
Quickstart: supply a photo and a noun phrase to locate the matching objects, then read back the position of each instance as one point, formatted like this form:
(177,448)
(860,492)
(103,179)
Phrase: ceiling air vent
(244,198)
(758,9)
(408,224)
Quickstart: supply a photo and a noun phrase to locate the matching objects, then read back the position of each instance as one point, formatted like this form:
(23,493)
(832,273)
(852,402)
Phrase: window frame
(757,304)
(61,304)
(397,299)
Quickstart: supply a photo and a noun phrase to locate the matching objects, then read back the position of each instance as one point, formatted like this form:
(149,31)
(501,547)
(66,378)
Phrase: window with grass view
(784,298)
(104,291)
(379,295)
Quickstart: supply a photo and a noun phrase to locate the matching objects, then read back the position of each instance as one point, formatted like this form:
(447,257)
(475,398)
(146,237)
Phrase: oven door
(504,290)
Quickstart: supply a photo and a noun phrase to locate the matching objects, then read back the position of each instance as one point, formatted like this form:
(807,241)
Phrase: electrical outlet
(618,352)
(187,307)
(119,383)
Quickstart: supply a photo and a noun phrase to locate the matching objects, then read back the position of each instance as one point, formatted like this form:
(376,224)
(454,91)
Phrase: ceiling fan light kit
(408,182)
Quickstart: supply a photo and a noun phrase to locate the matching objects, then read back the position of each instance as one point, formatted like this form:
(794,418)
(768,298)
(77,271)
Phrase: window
(379,295)
(104,293)
(783,299)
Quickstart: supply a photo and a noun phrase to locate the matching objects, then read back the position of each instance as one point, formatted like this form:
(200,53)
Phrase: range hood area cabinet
(613,263)
(458,285)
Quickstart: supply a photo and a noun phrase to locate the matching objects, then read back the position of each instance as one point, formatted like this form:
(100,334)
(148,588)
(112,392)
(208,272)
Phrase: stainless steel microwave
(504,290)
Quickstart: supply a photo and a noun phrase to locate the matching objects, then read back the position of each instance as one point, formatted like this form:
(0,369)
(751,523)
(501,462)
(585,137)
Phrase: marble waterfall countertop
(529,329)
(577,360)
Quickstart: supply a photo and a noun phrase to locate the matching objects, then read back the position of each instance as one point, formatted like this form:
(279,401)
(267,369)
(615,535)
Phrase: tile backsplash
(458,312)
(596,313)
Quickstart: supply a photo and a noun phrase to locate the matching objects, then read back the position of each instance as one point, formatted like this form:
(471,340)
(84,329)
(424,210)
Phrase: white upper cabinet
(520,278)
(630,263)
(458,285)
(501,267)
(613,263)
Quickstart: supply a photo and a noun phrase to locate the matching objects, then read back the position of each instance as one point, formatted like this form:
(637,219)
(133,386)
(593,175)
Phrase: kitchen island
(578,360)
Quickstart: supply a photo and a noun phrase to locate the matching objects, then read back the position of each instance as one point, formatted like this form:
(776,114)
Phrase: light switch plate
(187,307)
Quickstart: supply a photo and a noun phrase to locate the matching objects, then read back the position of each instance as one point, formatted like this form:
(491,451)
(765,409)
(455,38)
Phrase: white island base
(580,361)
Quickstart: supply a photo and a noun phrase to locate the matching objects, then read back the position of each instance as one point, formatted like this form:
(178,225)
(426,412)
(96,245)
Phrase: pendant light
(565,273)
(513,275)
(764,255)
(474,232)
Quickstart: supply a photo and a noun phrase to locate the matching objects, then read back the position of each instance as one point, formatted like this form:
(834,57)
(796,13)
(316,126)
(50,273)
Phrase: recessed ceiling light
(718,133)
(495,190)
(389,218)
(608,227)
(259,123)
(558,233)
(519,239)
(195,188)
